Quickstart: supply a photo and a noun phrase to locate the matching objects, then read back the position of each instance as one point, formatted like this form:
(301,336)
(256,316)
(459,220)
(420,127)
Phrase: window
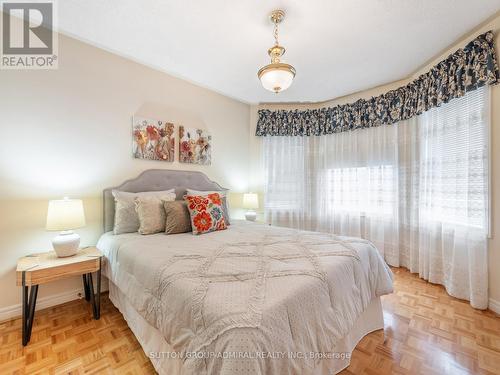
(430,169)
(454,168)
(364,190)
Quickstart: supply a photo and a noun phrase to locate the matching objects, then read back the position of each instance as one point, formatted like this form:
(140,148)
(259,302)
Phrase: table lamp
(250,202)
(65,215)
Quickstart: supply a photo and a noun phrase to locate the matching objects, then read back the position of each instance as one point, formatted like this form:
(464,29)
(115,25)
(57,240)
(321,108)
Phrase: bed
(252,299)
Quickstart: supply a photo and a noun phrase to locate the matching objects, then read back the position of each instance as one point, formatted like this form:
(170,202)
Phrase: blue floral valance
(471,67)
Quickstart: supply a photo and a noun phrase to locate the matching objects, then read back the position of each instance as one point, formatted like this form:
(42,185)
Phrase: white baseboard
(494,305)
(14,311)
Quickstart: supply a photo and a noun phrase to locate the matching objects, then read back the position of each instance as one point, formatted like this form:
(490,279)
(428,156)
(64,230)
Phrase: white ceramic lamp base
(251,215)
(66,243)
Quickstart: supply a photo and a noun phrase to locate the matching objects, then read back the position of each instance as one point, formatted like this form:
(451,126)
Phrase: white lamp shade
(65,214)
(276,80)
(250,201)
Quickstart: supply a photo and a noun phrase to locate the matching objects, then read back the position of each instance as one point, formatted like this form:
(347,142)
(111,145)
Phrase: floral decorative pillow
(223,197)
(207,213)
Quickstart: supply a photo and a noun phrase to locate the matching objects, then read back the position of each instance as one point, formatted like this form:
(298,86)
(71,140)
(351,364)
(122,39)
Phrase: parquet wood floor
(426,332)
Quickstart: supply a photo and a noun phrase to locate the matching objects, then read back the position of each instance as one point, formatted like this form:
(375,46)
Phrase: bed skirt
(152,341)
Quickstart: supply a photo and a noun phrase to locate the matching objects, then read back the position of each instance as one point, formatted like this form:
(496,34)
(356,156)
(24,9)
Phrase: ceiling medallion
(276,76)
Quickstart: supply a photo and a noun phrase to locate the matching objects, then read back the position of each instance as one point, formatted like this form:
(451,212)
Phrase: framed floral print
(153,139)
(195,146)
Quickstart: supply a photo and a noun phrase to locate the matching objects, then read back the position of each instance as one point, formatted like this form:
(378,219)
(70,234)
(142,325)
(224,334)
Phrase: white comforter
(231,301)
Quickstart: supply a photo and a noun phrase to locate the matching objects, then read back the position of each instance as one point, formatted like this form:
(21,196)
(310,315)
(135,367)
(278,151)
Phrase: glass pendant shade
(276,77)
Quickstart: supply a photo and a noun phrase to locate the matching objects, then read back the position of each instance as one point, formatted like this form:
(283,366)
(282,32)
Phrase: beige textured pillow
(126,218)
(151,213)
(178,218)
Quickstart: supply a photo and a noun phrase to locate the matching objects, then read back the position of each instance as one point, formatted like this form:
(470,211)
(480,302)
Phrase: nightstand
(41,268)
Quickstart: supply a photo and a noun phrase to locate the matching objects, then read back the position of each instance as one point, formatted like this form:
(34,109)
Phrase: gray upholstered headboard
(154,180)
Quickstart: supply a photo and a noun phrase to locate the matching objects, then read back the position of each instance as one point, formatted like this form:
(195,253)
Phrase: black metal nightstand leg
(86,288)
(29,304)
(95,298)
(31,316)
(25,313)
(98,304)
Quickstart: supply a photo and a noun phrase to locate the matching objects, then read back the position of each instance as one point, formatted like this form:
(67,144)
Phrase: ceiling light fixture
(276,76)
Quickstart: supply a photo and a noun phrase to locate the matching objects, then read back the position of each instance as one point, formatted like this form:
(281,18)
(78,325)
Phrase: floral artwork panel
(153,139)
(195,146)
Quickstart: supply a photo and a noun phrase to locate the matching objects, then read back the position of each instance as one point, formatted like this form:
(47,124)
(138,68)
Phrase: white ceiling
(337,46)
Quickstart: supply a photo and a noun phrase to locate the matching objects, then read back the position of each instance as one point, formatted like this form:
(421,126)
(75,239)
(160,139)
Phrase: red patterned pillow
(207,213)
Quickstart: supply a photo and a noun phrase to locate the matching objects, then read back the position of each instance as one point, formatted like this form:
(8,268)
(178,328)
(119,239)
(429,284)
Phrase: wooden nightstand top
(42,268)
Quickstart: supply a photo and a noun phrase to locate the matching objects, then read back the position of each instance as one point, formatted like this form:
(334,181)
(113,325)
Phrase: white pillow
(223,195)
(126,218)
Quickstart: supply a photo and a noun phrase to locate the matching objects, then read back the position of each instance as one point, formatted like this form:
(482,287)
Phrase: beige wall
(256,180)
(68,132)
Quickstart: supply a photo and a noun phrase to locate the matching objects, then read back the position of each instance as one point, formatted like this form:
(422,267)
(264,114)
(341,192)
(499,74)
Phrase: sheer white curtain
(418,190)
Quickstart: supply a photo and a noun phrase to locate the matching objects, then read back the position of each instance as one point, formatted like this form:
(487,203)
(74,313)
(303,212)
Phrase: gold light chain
(275,33)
